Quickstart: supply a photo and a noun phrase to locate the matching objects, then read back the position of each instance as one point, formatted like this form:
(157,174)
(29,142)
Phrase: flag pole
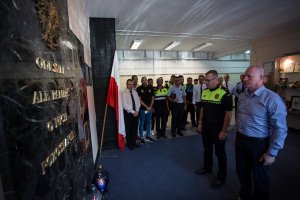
(103,127)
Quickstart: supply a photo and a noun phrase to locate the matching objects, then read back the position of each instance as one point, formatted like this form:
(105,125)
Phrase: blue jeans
(145,118)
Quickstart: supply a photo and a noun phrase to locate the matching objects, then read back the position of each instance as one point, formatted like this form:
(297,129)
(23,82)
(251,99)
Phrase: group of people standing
(260,128)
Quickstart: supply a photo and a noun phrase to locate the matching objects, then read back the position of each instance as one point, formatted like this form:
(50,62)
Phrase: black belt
(242,136)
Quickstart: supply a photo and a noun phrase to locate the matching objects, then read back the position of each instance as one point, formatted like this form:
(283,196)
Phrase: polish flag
(114,100)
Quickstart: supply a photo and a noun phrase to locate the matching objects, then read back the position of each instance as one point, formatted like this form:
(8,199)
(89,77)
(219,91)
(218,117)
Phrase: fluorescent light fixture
(248,51)
(172,45)
(136,44)
(202,46)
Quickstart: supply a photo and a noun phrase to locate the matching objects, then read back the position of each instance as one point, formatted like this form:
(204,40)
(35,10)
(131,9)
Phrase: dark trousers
(198,109)
(131,127)
(210,139)
(248,152)
(161,116)
(236,99)
(177,116)
(189,109)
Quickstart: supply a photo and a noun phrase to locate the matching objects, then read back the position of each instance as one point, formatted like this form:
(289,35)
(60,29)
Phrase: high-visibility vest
(160,94)
(214,96)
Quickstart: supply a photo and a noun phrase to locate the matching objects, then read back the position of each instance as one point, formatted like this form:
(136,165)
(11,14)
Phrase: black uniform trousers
(177,116)
(210,139)
(190,108)
(131,127)
(198,109)
(248,152)
(236,99)
(161,116)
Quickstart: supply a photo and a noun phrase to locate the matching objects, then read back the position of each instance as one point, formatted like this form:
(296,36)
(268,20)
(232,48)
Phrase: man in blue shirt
(261,131)
(176,96)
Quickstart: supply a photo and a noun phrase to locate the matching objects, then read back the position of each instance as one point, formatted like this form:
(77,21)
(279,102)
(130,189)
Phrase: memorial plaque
(43,110)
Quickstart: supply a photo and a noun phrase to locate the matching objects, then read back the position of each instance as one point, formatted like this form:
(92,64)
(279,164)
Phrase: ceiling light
(136,44)
(202,46)
(172,45)
(248,51)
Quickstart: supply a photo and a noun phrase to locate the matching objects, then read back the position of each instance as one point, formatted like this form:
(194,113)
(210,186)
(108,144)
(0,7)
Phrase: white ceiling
(230,25)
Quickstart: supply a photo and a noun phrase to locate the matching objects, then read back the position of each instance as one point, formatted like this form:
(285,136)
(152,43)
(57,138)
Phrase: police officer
(189,100)
(176,95)
(161,108)
(215,116)
(237,90)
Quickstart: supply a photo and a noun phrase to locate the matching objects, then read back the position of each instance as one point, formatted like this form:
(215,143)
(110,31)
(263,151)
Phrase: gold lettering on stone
(50,160)
(56,122)
(40,96)
(49,66)
(43,96)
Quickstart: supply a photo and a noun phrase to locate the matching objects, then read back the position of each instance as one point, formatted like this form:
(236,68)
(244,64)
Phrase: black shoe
(217,183)
(142,141)
(130,147)
(194,125)
(164,136)
(136,145)
(173,135)
(180,134)
(202,171)
(183,129)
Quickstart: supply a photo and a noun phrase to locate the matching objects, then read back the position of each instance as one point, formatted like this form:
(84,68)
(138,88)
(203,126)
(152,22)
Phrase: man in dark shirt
(146,95)
(189,102)
(215,116)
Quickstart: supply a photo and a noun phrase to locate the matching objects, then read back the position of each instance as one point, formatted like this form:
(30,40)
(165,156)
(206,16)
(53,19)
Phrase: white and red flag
(114,100)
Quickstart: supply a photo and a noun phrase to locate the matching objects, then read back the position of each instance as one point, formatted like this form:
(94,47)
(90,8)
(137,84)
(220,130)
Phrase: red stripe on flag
(114,100)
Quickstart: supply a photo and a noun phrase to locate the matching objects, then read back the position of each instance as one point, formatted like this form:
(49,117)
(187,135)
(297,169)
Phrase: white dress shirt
(127,102)
(197,92)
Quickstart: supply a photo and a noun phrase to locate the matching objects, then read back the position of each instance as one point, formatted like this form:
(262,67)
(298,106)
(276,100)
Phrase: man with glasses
(215,116)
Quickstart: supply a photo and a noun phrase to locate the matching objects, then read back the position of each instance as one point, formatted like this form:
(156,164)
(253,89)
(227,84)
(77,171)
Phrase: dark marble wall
(103,46)
(45,147)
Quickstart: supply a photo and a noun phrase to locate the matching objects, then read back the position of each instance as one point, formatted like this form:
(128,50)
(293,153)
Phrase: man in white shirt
(131,105)
(226,84)
(197,92)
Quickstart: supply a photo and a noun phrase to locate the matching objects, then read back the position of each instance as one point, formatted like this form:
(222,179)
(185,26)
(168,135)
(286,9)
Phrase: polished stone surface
(40,108)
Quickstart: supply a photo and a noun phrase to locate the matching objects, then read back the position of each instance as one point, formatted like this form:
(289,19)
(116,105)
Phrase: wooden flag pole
(103,127)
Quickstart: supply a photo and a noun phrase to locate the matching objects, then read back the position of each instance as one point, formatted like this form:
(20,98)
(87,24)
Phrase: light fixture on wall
(202,46)
(172,45)
(136,44)
(248,51)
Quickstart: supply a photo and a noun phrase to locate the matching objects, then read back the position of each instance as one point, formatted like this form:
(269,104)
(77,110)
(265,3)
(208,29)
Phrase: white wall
(273,46)
(276,46)
(79,24)
(187,68)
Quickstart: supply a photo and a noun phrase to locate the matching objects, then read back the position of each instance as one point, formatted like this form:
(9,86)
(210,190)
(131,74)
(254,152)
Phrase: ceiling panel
(230,25)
